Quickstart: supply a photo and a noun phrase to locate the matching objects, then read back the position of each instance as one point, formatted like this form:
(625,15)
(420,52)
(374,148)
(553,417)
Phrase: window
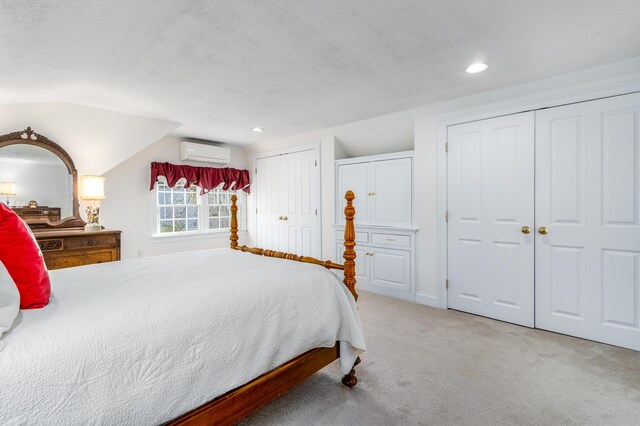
(181,210)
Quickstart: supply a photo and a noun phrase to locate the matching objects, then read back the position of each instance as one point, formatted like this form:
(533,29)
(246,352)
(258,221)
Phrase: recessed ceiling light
(477,67)
(258,129)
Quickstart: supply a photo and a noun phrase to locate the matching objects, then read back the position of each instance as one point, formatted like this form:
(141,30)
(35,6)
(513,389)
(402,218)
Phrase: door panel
(391,268)
(391,199)
(490,179)
(587,195)
(355,177)
(288,195)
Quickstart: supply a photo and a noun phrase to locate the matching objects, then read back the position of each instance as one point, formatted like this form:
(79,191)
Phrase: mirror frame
(29,137)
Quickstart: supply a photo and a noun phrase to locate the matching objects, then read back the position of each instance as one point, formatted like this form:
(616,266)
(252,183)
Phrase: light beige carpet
(437,367)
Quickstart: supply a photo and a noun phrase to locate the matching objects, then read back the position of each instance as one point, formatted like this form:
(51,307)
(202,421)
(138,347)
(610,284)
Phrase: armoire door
(390,199)
(355,177)
(288,200)
(490,218)
(588,208)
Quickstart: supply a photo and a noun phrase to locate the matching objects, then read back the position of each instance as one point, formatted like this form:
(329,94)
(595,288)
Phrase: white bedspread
(145,340)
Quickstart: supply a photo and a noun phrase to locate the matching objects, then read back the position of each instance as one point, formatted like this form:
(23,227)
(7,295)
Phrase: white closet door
(588,196)
(270,199)
(288,203)
(301,188)
(490,179)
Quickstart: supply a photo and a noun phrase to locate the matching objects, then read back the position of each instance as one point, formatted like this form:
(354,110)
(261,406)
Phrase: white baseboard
(425,299)
(398,294)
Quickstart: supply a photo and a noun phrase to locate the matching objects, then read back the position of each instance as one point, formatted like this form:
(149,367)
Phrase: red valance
(207,178)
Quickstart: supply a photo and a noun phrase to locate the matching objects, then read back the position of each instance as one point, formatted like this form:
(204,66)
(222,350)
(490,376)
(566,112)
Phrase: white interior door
(288,203)
(588,196)
(301,203)
(270,199)
(490,200)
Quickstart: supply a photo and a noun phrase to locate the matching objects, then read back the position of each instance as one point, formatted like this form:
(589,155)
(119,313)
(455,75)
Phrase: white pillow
(9,301)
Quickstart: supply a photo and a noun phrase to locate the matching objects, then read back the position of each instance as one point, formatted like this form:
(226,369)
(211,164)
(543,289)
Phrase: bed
(169,339)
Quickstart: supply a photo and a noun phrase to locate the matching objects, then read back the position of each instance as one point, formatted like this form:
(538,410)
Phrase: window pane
(223,198)
(224,223)
(166,226)
(178,197)
(192,198)
(214,223)
(180,212)
(166,212)
(224,211)
(212,197)
(192,224)
(214,211)
(192,211)
(180,225)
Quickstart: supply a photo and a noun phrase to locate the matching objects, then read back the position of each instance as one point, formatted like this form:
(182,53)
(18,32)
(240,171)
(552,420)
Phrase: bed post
(350,380)
(349,243)
(234,223)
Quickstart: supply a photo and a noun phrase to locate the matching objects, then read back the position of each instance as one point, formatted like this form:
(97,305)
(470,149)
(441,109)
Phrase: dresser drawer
(93,241)
(66,248)
(62,259)
(361,237)
(391,240)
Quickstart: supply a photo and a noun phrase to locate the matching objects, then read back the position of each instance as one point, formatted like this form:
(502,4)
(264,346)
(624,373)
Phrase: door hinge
(256,170)
(446,147)
(256,211)
(316,212)
(446,284)
(315,162)
(446,216)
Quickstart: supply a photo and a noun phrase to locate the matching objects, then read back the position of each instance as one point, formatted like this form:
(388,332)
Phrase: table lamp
(92,189)
(8,189)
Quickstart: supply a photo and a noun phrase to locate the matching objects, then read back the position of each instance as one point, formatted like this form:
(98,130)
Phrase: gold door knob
(525,229)
(286,218)
(372,193)
(280,218)
(543,230)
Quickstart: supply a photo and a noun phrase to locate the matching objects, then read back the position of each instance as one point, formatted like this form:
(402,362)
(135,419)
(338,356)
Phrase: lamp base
(93,227)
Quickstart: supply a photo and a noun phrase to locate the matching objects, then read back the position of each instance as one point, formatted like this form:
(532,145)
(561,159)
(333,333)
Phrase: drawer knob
(91,243)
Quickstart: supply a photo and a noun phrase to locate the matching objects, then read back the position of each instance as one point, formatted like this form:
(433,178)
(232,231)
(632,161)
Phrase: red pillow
(22,257)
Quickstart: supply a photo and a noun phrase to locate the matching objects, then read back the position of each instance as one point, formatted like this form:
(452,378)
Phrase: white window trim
(200,234)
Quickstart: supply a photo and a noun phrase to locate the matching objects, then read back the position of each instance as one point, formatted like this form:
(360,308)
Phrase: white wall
(129,207)
(49,185)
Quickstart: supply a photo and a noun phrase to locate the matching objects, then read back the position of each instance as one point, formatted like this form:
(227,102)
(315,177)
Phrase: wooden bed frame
(240,402)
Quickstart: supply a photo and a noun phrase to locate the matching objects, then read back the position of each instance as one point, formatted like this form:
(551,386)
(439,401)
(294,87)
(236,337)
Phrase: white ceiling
(223,67)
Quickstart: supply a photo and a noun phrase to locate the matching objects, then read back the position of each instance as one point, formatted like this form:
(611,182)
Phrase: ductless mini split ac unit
(192,151)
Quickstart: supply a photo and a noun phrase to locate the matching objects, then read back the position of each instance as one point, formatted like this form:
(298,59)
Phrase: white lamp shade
(92,188)
(7,188)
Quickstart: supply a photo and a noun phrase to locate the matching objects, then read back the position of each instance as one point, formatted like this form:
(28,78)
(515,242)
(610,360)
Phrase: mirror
(39,181)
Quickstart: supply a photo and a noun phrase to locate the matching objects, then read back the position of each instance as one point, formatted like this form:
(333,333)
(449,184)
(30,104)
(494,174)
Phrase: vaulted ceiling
(223,67)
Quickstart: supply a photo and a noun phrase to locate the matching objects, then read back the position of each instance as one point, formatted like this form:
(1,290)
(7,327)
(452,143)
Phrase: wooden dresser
(65,248)
(40,213)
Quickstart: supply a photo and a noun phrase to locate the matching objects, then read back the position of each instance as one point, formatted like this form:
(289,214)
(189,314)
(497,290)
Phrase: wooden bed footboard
(238,403)
(349,255)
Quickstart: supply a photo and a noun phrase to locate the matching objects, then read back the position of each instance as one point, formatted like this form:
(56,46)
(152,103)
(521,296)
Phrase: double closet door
(287,203)
(544,219)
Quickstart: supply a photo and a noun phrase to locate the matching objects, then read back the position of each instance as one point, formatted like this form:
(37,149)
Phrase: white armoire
(385,238)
